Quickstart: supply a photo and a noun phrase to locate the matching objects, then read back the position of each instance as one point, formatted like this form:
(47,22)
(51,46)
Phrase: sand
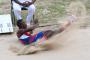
(71,44)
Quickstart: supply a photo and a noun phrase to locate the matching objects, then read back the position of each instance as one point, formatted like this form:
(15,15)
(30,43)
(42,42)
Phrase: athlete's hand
(20,31)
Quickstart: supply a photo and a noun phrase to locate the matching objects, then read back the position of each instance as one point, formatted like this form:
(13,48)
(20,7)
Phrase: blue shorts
(38,36)
(32,39)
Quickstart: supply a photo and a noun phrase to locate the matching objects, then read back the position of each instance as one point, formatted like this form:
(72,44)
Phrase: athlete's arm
(22,31)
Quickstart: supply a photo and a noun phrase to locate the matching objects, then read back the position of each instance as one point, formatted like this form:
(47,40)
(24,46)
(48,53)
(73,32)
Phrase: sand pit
(71,44)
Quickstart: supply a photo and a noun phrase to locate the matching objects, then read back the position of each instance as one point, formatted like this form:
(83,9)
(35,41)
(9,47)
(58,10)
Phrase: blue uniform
(27,38)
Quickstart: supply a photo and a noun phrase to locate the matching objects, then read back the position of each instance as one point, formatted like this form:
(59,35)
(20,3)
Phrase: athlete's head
(21,25)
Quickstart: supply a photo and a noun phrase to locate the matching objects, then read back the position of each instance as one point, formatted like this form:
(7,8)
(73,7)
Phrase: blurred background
(48,11)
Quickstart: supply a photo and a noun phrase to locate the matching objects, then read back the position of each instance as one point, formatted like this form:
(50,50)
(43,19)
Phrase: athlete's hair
(21,25)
